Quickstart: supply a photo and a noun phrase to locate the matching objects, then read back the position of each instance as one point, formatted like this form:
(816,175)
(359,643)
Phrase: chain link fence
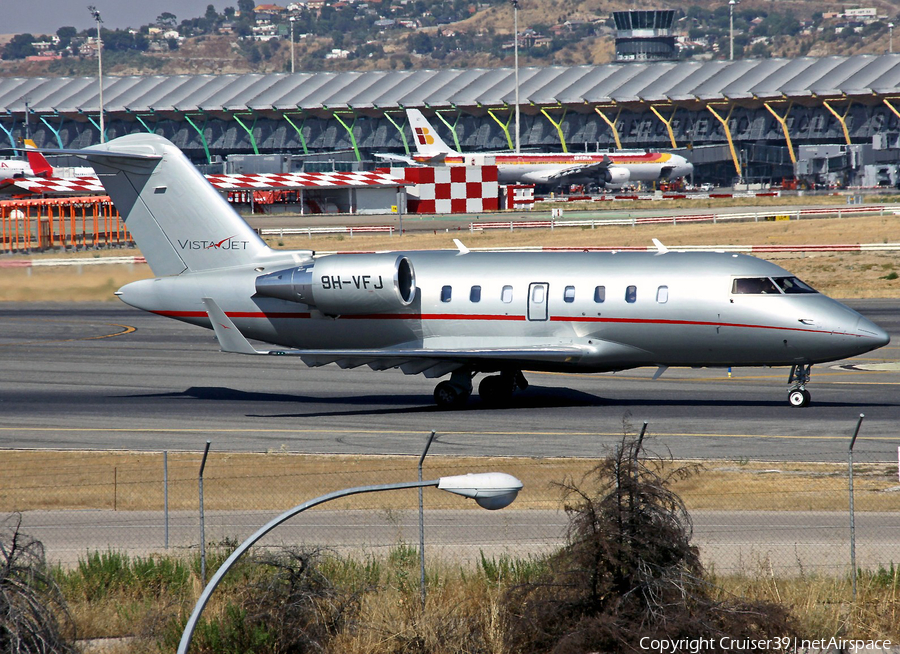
(785,517)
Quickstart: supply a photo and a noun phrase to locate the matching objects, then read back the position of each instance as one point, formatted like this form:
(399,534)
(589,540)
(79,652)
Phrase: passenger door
(537,300)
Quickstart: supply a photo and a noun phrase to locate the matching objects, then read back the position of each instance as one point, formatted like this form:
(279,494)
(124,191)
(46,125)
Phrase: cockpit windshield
(791,285)
(769,286)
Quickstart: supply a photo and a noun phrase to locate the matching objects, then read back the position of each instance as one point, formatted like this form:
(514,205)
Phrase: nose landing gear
(798,396)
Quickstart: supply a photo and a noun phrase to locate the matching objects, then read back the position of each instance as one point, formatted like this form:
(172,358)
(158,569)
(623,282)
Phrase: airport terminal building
(753,119)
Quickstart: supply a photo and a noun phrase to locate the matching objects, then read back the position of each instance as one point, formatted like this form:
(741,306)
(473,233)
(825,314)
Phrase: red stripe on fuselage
(465,316)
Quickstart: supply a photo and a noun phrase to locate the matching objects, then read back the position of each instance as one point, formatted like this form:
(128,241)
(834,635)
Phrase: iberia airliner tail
(40,167)
(428,143)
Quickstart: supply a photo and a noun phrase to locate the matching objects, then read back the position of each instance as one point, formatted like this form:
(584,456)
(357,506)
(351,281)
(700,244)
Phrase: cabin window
(792,285)
(446,293)
(537,294)
(631,294)
(506,294)
(599,294)
(662,294)
(475,294)
(754,286)
(569,294)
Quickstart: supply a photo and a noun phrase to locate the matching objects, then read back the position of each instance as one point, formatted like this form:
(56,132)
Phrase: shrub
(33,614)
(628,570)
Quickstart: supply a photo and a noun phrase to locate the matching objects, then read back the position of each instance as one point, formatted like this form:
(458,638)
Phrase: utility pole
(515,4)
(731,4)
(292,19)
(96,14)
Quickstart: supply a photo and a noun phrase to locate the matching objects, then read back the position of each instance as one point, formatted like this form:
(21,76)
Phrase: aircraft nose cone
(873,334)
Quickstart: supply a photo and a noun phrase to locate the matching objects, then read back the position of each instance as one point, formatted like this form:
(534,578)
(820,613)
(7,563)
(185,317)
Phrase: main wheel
(799,397)
(448,396)
(495,390)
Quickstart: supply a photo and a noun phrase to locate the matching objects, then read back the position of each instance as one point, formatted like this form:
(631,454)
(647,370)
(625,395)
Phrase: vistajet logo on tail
(225,244)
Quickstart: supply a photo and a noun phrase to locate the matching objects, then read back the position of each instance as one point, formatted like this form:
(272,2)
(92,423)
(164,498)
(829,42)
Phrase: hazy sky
(46,16)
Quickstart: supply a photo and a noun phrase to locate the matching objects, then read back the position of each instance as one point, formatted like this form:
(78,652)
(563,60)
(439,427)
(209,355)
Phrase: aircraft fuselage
(620,310)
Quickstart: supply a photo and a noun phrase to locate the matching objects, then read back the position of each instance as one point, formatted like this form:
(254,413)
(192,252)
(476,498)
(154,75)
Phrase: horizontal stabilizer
(229,336)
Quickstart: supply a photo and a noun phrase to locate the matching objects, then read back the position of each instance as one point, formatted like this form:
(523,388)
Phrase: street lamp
(292,19)
(491,490)
(515,4)
(96,14)
(731,4)
(891,37)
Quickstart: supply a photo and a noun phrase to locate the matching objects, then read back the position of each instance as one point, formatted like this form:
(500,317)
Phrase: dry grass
(824,606)
(844,275)
(69,284)
(131,481)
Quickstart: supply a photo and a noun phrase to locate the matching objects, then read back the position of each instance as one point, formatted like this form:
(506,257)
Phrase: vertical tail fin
(428,143)
(40,167)
(178,220)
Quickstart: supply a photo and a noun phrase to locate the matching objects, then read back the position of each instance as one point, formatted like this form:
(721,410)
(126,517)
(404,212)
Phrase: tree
(65,35)
(19,47)
(166,19)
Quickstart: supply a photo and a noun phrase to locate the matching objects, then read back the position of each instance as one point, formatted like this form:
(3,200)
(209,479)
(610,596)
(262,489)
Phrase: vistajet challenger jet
(461,313)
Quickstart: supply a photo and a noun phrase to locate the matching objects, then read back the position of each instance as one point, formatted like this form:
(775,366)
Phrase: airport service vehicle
(458,312)
(604,169)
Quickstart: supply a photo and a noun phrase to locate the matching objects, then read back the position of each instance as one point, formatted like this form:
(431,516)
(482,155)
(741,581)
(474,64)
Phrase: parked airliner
(605,169)
(458,312)
(35,166)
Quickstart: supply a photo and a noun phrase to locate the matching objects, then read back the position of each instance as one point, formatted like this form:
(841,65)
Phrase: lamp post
(96,14)
(891,38)
(731,4)
(292,19)
(515,4)
(491,490)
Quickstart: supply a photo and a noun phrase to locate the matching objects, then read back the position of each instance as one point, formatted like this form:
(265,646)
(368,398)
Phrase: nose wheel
(798,396)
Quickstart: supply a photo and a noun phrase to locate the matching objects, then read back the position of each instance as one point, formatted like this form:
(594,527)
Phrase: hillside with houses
(343,35)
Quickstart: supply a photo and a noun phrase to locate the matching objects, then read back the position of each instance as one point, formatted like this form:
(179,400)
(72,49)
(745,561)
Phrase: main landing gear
(495,390)
(452,393)
(798,395)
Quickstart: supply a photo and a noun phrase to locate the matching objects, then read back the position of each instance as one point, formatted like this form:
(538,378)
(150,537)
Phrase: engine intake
(345,284)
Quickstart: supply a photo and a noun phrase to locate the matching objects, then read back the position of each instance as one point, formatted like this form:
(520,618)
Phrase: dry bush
(33,615)
(629,571)
(286,604)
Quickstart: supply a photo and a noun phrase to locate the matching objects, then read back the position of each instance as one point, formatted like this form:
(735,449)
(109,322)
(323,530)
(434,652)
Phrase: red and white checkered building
(451,189)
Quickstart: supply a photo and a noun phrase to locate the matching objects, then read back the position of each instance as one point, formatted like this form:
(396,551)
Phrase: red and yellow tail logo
(423,136)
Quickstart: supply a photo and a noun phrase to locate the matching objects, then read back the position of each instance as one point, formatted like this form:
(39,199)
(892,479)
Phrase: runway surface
(105,376)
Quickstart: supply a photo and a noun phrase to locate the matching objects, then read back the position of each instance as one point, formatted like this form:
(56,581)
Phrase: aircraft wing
(412,361)
(400,158)
(581,169)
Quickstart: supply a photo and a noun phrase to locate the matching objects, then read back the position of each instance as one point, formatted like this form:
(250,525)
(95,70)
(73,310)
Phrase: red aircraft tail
(40,167)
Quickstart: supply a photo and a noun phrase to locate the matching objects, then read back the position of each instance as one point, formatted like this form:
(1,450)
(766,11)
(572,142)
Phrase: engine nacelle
(616,176)
(345,284)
